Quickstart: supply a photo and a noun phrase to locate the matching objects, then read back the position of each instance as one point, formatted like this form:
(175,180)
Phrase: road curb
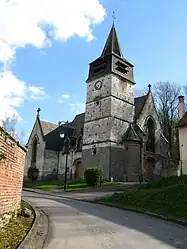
(153,215)
(37,235)
(96,201)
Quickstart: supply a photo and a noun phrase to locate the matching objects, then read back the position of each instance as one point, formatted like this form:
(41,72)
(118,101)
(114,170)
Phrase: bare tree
(166,96)
(9,124)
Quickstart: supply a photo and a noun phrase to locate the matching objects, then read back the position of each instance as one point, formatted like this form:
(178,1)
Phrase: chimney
(181,106)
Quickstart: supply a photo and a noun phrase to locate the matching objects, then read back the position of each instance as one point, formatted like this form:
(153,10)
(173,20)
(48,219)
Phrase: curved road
(80,225)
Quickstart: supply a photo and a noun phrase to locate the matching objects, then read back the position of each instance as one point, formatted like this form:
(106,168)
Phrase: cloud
(35,93)
(13,93)
(66,96)
(77,108)
(62,98)
(37,22)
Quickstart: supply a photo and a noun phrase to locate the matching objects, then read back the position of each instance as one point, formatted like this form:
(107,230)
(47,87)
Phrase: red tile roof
(182,121)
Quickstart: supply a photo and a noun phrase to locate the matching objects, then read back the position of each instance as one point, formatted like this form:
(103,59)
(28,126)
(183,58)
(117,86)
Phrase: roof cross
(38,112)
(113,17)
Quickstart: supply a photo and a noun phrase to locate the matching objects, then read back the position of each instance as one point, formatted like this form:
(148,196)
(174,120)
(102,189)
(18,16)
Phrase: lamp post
(66,145)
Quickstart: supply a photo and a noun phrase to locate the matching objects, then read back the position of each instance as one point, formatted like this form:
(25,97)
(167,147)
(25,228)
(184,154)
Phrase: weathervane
(114,17)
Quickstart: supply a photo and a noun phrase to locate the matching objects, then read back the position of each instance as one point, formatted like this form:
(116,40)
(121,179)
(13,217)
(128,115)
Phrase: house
(182,128)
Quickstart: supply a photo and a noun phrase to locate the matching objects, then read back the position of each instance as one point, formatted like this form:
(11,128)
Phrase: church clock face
(98,85)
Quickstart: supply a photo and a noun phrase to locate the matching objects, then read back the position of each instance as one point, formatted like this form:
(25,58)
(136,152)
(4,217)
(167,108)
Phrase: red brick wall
(11,173)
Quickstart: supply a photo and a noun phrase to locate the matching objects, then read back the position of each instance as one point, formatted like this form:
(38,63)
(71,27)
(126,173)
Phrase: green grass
(14,232)
(44,185)
(71,186)
(166,197)
(84,186)
(166,181)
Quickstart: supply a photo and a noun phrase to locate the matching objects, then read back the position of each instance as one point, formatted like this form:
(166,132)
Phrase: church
(119,133)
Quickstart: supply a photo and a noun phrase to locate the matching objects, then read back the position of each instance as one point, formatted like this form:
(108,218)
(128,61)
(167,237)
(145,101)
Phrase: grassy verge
(163,198)
(44,185)
(71,186)
(14,232)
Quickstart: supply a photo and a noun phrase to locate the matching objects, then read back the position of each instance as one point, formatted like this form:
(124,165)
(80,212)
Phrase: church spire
(112,44)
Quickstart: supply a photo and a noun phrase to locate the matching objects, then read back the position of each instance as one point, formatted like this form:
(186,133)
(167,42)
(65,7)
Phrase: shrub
(33,173)
(93,176)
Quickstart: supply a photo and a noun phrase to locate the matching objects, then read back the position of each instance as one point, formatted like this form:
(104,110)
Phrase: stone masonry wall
(72,157)
(11,175)
(161,146)
(40,151)
(50,166)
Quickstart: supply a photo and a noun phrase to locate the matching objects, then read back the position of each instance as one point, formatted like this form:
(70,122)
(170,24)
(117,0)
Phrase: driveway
(81,225)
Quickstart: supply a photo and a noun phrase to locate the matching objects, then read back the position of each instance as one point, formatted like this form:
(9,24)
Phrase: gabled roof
(73,129)
(47,127)
(78,123)
(183,121)
(53,139)
(131,134)
(112,44)
(139,104)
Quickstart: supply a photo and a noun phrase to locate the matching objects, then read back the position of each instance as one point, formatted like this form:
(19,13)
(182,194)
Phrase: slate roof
(52,132)
(112,44)
(53,139)
(131,134)
(183,121)
(47,127)
(139,104)
(78,123)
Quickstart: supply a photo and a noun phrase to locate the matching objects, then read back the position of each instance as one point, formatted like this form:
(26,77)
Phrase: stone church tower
(117,132)
(109,108)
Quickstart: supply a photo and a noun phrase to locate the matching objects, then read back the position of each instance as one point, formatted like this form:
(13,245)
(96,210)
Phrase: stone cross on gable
(38,112)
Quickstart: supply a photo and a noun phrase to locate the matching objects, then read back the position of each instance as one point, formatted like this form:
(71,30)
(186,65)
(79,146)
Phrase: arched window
(150,145)
(34,150)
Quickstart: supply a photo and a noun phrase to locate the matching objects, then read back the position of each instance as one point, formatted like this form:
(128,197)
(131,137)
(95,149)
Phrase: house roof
(182,121)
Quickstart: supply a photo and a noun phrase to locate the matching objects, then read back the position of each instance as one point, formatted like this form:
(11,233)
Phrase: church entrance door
(78,174)
(77,170)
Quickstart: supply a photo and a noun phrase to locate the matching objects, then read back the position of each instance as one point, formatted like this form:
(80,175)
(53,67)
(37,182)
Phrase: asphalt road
(80,225)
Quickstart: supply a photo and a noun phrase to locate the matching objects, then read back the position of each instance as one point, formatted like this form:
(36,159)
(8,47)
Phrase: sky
(46,47)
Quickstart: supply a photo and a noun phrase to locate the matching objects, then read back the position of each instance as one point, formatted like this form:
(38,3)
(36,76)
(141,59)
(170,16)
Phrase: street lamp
(66,145)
